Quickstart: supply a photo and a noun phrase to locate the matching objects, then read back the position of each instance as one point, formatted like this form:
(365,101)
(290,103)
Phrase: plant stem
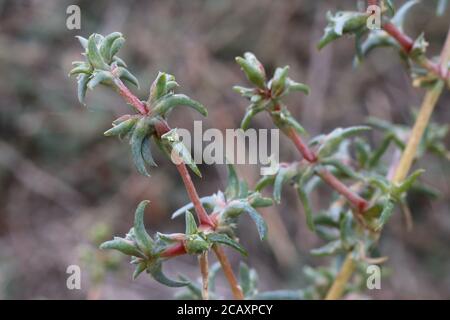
(403,40)
(407,44)
(161,128)
(357,201)
(336,290)
(129,97)
(423,118)
(235,288)
(309,155)
(203,262)
(203,217)
(404,165)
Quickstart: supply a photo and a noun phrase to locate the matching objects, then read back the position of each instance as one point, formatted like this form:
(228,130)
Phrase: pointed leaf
(232,189)
(157,274)
(143,240)
(136,141)
(116,45)
(103,77)
(330,248)
(253,69)
(83,80)
(105,46)
(167,103)
(226,240)
(205,201)
(126,75)
(147,152)
(125,246)
(191,225)
(94,55)
(139,269)
(122,128)
(306,207)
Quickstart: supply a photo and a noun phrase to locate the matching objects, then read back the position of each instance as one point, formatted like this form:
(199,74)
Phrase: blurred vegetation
(65,188)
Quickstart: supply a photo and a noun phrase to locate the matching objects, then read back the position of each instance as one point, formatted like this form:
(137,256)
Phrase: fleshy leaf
(143,240)
(191,225)
(157,273)
(125,246)
(253,69)
(167,103)
(226,240)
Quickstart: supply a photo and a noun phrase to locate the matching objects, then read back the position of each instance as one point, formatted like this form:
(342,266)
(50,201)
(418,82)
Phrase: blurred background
(64,187)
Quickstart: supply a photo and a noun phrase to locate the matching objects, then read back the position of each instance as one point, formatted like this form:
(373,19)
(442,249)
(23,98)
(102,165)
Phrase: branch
(404,165)
(309,155)
(203,262)
(235,288)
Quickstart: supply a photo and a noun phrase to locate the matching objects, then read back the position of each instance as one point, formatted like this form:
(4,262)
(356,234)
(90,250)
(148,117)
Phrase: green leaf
(83,80)
(265,182)
(158,88)
(330,248)
(116,45)
(205,201)
(191,225)
(253,69)
(342,22)
(334,139)
(278,82)
(281,177)
(402,12)
(257,201)
(341,167)
(81,68)
(408,182)
(247,280)
(147,152)
(297,86)
(178,149)
(100,77)
(143,240)
(125,246)
(226,240)
(167,103)
(232,189)
(122,128)
(390,6)
(306,207)
(139,269)
(124,74)
(83,41)
(119,62)
(156,271)
(105,45)
(261,225)
(94,55)
(388,210)
(245,92)
(137,138)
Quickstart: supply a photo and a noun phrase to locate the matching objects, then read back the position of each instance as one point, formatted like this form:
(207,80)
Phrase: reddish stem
(372,2)
(129,97)
(161,128)
(358,202)
(301,146)
(405,41)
